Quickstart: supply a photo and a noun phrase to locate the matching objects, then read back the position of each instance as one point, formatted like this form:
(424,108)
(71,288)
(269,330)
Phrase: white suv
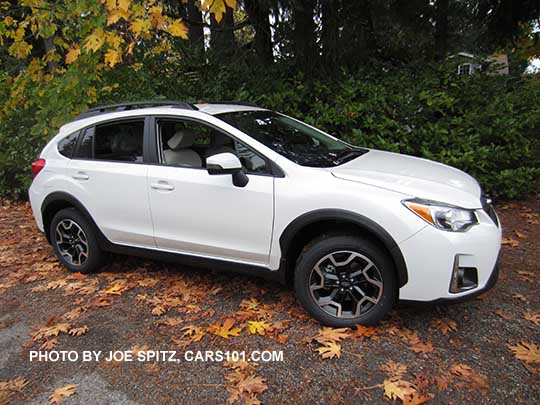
(239,187)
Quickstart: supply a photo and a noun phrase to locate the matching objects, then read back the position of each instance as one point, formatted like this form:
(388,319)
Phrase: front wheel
(345,280)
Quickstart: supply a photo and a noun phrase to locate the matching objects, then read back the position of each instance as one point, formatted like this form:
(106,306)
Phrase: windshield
(296,141)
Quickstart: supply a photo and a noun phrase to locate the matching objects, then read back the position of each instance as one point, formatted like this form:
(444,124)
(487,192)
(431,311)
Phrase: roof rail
(245,103)
(102,109)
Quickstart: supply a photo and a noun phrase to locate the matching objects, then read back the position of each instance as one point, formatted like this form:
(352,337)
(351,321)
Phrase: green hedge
(486,125)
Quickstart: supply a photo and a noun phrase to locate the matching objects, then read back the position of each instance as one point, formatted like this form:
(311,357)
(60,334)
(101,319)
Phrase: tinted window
(67,145)
(86,147)
(119,141)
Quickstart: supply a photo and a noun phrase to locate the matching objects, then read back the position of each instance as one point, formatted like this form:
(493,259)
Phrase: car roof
(207,108)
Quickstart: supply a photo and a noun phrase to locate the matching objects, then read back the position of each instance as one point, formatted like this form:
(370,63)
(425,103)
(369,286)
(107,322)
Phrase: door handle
(80,176)
(161,185)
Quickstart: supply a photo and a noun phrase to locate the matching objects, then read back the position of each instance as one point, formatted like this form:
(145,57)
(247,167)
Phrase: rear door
(108,176)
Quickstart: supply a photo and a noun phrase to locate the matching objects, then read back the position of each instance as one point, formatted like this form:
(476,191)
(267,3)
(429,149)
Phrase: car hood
(413,176)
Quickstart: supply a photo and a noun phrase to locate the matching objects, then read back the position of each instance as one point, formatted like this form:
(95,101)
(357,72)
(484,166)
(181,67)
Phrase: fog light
(463,278)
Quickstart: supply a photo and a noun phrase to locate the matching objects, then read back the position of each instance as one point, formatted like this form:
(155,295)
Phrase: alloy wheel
(346,284)
(71,242)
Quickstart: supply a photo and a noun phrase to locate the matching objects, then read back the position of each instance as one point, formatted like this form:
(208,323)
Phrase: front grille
(488,208)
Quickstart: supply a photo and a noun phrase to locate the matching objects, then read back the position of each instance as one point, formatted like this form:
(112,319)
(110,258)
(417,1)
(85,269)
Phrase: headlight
(441,215)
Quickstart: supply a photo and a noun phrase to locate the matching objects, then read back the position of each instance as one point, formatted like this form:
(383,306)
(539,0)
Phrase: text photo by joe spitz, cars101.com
(272,202)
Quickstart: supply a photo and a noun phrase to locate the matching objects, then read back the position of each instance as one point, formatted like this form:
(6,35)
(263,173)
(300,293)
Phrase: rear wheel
(74,241)
(345,280)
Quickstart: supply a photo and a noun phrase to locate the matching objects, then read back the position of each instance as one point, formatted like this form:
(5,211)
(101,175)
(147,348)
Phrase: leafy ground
(483,351)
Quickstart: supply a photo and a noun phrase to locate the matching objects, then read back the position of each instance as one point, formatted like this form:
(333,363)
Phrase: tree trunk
(196,33)
(222,34)
(441,29)
(330,34)
(304,35)
(258,12)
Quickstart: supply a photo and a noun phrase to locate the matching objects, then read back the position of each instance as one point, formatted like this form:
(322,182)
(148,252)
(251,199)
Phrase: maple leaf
(72,54)
(140,348)
(48,331)
(330,350)
(362,331)
(474,379)
(178,29)
(259,327)
(59,394)
(510,242)
(503,315)
(444,325)
(332,335)
(420,347)
(527,352)
(49,344)
(224,330)
(415,399)
(393,369)
(117,288)
(196,333)
(159,310)
(395,388)
(94,41)
(247,387)
(534,318)
(78,331)
(113,57)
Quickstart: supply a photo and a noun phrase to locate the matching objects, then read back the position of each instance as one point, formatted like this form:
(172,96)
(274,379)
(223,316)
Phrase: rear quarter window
(66,146)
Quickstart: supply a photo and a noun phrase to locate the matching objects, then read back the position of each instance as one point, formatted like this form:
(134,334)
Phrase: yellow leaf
(332,335)
(124,4)
(256,327)
(73,54)
(139,26)
(226,330)
(330,350)
(178,29)
(94,41)
(59,394)
(394,388)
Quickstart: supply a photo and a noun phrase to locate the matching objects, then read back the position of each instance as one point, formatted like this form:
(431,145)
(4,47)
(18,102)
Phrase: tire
(377,281)
(69,221)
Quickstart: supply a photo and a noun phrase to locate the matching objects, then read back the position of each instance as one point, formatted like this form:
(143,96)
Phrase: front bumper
(430,255)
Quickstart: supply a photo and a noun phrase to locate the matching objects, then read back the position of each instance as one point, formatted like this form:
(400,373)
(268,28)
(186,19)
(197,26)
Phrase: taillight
(37,166)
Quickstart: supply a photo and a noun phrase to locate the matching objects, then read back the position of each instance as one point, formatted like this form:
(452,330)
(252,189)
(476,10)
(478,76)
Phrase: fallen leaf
(330,350)
(225,330)
(332,335)
(394,388)
(361,332)
(415,399)
(49,344)
(48,331)
(445,325)
(471,377)
(503,315)
(534,318)
(282,339)
(259,327)
(527,352)
(520,235)
(78,331)
(59,394)
(393,369)
(420,347)
(117,288)
(509,242)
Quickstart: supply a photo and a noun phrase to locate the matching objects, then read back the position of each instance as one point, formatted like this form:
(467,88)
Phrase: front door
(206,215)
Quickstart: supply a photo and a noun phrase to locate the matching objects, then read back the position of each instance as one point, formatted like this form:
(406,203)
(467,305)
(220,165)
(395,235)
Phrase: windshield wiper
(349,154)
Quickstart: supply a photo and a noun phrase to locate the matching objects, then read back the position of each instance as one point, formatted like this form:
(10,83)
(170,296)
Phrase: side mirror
(227,163)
